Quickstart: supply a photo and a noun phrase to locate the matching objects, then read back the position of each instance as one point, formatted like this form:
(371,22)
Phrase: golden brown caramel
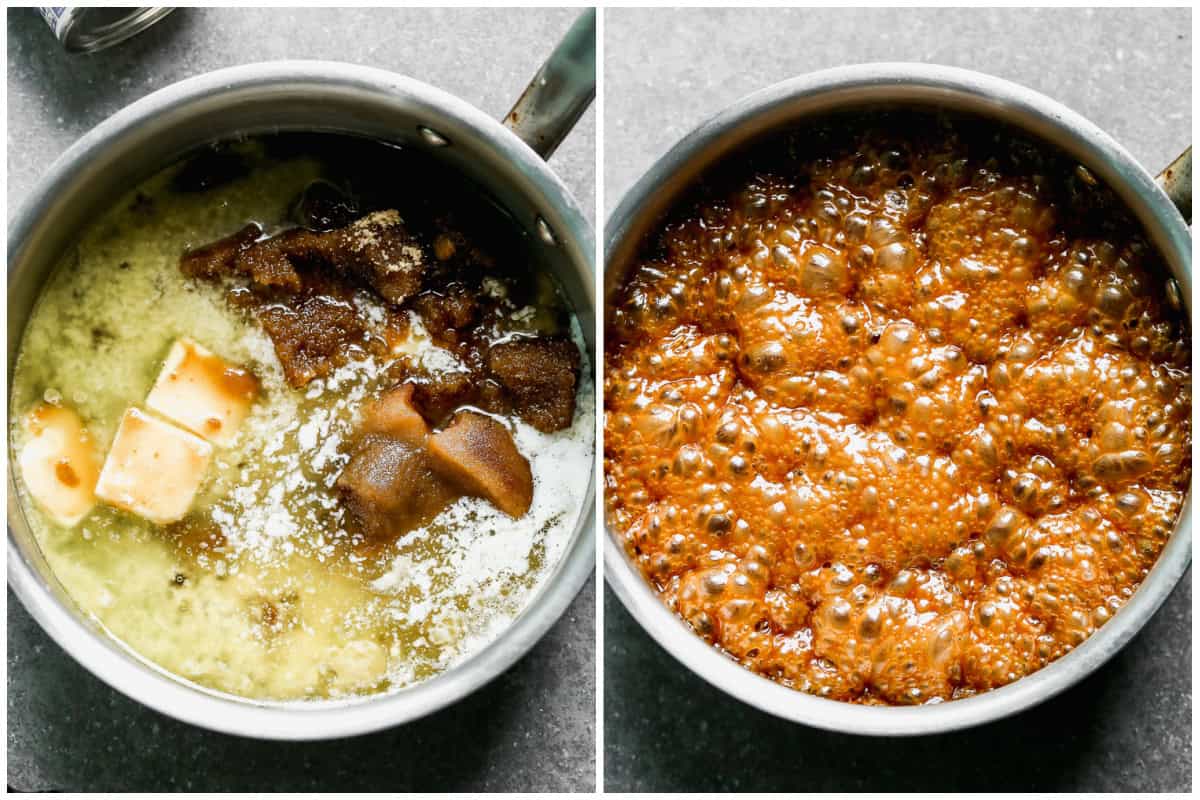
(897,408)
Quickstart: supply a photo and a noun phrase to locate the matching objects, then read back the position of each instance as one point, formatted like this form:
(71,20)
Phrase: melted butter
(274,603)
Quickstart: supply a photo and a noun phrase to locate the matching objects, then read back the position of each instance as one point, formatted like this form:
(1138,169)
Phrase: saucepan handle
(1176,181)
(560,91)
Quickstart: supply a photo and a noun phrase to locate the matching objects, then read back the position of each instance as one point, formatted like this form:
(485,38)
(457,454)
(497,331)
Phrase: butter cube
(59,464)
(203,393)
(153,468)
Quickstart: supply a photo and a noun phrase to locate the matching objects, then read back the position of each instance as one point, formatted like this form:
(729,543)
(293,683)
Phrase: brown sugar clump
(400,477)
(376,250)
(390,487)
(445,313)
(312,336)
(218,259)
(272,263)
(479,455)
(393,414)
(541,373)
(300,284)
(379,251)
(439,394)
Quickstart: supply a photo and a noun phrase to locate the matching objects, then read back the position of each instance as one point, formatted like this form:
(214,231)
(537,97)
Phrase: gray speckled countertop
(530,730)
(1128,727)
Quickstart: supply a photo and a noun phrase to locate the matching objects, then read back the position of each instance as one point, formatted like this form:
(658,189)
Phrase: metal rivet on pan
(1174,294)
(432,137)
(543,229)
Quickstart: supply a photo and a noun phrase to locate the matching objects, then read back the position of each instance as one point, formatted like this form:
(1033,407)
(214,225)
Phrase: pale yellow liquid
(289,609)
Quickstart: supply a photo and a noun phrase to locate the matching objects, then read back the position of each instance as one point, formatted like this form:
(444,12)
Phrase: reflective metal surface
(560,92)
(89,30)
(1176,181)
(264,98)
(916,85)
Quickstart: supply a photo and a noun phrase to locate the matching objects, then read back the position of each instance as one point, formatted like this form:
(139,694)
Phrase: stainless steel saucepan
(339,98)
(920,86)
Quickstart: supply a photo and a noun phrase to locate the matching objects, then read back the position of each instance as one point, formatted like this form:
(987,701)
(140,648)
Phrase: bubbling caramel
(897,408)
